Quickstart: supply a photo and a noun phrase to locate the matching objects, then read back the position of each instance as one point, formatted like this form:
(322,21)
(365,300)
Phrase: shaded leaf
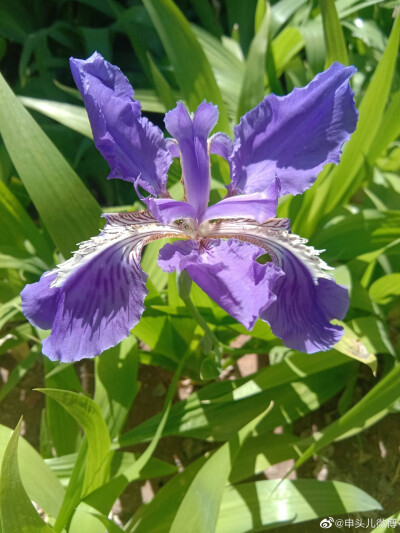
(17,511)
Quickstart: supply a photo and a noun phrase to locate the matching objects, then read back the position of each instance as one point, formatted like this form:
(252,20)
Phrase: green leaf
(314,42)
(149,264)
(389,524)
(262,451)
(208,16)
(368,410)
(18,229)
(157,515)
(162,86)
(351,345)
(192,70)
(116,383)
(16,258)
(385,289)
(105,496)
(350,236)
(111,526)
(9,310)
(17,511)
(62,428)
(217,412)
(14,337)
(227,67)
(336,49)
(288,43)
(281,11)
(88,415)
(73,494)
(72,116)
(86,521)
(200,506)
(253,85)
(373,333)
(68,210)
(252,506)
(120,464)
(389,129)
(19,372)
(336,186)
(150,101)
(249,506)
(49,493)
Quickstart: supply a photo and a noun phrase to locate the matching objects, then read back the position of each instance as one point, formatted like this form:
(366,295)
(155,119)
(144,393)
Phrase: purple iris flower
(93,300)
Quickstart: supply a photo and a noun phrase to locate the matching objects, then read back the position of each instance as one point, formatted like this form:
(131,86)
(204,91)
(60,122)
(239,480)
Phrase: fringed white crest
(274,236)
(127,231)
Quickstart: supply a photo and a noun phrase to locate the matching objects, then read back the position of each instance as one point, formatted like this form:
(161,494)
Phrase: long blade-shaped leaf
(49,493)
(250,506)
(17,511)
(334,39)
(382,396)
(192,70)
(253,85)
(87,413)
(72,116)
(208,485)
(339,185)
(68,210)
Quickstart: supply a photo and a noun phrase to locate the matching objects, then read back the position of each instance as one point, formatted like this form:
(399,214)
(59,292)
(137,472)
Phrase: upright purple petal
(221,144)
(294,136)
(192,136)
(130,144)
(167,210)
(93,300)
(258,206)
(228,272)
(307,298)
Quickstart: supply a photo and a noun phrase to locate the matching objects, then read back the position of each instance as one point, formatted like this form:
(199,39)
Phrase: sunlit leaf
(16,509)
(68,210)
(193,72)
(336,49)
(87,413)
(208,485)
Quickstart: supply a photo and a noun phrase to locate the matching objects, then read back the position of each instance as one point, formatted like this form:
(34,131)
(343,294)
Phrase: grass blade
(17,511)
(253,85)
(334,39)
(192,70)
(68,210)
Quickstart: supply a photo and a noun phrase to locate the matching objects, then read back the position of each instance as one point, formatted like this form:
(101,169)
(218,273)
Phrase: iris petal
(93,300)
(221,144)
(259,206)
(167,209)
(191,136)
(228,272)
(130,143)
(307,297)
(292,137)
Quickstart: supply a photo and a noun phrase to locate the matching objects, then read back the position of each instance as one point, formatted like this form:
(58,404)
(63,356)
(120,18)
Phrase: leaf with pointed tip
(68,210)
(208,485)
(88,415)
(16,509)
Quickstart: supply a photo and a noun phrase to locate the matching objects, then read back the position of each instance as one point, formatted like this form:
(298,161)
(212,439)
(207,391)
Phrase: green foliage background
(52,192)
